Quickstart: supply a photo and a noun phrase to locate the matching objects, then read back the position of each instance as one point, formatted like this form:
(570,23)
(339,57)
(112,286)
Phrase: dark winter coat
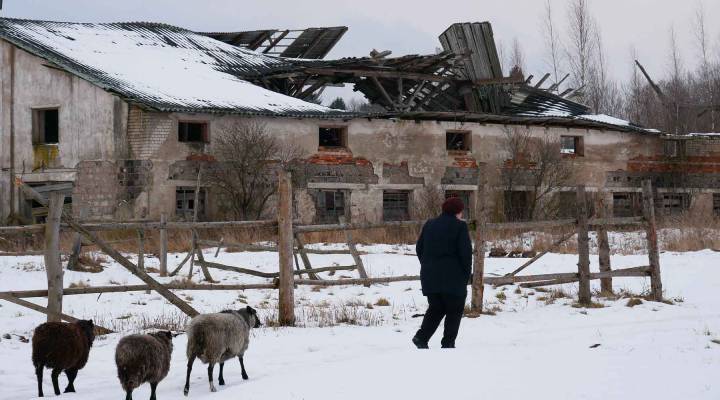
(445,254)
(59,345)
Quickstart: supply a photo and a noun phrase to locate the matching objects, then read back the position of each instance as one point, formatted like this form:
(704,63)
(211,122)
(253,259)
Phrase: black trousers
(450,307)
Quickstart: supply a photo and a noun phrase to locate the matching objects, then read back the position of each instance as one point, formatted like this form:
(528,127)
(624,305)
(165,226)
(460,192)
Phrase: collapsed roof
(171,69)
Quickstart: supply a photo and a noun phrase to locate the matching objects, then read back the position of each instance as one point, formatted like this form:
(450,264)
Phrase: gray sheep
(143,358)
(216,338)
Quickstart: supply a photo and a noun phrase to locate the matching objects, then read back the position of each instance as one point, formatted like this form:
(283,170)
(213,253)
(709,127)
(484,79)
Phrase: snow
(169,66)
(530,349)
(606,119)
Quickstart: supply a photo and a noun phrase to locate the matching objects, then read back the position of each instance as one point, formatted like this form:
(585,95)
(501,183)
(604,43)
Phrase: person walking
(445,254)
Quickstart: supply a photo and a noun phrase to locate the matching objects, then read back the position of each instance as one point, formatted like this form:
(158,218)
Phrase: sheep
(216,338)
(143,358)
(61,347)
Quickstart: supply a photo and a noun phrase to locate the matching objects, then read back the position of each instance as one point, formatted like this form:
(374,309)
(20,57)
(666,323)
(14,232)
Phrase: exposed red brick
(200,157)
(693,164)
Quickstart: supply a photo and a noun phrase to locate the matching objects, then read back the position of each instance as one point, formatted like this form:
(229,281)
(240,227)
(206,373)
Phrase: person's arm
(419,244)
(465,249)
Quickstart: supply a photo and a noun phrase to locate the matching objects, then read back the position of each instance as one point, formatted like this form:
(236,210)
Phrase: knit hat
(453,206)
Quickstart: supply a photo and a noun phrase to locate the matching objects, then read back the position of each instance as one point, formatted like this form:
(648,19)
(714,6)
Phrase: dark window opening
(185,203)
(457,140)
(332,137)
(192,132)
(571,145)
(46,126)
(516,205)
(330,205)
(463,195)
(627,205)
(566,205)
(716,203)
(396,206)
(674,203)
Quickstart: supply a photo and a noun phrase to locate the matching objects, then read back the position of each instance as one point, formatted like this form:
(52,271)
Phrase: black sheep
(61,347)
(143,358)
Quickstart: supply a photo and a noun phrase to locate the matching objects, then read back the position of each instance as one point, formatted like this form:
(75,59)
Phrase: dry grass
(501,296)
(592,304)
(174,321)
(382,302)
(325,314)
(78,285)
(633,302)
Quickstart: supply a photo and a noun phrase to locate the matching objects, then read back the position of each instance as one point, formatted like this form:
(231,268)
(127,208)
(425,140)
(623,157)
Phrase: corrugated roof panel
(161,66)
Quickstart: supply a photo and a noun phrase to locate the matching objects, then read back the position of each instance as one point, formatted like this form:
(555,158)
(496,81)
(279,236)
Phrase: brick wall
(147,131)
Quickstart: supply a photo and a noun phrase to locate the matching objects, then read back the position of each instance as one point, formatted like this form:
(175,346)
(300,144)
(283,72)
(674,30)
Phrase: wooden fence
(290,245)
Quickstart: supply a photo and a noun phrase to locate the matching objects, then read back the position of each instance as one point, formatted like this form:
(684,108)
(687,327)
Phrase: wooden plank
(139,288)
(163,246)
(210,264)
(53,266)
(286,295)
(552,247)
(119,226)
(114,254)
(583,247)
(548,283)
(51,314)
(382,90)
(368,281)
(353,251)
(74,259)
(478,275)
(652,240)
(304,257)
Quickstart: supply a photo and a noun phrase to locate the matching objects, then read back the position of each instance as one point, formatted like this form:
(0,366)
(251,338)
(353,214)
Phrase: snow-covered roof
(160,66)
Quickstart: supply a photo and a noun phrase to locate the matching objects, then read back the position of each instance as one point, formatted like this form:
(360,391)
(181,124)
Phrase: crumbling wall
(147,131)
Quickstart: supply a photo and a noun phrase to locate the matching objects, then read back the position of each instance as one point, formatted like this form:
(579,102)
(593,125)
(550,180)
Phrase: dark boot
(419,343)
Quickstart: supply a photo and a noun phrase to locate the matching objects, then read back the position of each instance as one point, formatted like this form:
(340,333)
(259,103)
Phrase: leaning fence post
(583,247)
(478,276)
(651,235)
(53,266)
(286,296)
(163,246)
(353,251)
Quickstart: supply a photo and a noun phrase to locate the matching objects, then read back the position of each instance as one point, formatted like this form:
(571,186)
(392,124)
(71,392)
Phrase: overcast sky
(409,27)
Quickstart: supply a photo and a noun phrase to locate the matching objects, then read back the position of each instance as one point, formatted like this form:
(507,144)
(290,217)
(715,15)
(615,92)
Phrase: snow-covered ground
(530,349)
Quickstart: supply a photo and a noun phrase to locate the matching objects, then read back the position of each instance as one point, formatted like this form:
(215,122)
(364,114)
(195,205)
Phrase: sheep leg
(153,388)
(54,375)
(242,366)
(191,360)
(210,377)
(71,375)
(128,395)
(221,379)
(39,373)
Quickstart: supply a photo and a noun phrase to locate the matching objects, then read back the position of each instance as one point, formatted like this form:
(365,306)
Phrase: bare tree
(536,164)
(245,171)
(429,202)
(581,42)
(517,59)
(701,33)
(552,44)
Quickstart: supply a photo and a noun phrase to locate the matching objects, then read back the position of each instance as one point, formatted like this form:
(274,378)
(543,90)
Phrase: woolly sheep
(216,338)
(143,358)
(61,347)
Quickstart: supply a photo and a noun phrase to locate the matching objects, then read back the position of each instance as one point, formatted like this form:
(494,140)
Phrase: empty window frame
(46,126)
(463,195)
(192,132)
(457,140)
(185,203)
(626,204)
(674,203)
(572,145)
(396,205)
(332,137)
(330,205)
(516,205)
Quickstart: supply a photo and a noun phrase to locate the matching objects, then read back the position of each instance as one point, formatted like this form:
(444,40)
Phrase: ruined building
(122,115)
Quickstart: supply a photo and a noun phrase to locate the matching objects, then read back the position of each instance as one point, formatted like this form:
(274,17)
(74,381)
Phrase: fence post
(604,252)
(285,250)
(353,251)
(163,245)
(478,276)
(53,266)
(583,247)
(651,235)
